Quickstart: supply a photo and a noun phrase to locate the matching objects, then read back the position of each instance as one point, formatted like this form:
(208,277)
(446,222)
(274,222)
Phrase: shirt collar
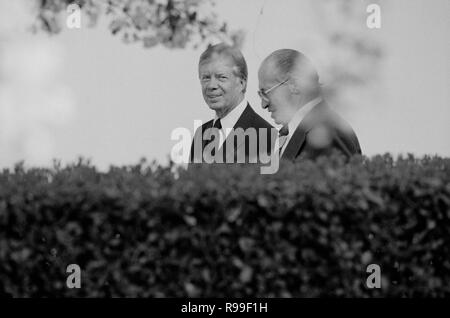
(230,120)
(300,114)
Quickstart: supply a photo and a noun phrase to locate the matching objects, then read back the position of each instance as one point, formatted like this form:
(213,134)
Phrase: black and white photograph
(224,154)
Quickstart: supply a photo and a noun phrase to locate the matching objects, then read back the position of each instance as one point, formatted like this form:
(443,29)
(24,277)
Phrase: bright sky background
(121,102)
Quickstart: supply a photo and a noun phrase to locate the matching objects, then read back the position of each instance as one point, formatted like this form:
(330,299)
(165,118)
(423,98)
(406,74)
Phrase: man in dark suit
(237,134)
(290,91)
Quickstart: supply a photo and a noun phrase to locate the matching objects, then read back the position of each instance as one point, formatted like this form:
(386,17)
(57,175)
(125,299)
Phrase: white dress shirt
(229,121)
(297,119)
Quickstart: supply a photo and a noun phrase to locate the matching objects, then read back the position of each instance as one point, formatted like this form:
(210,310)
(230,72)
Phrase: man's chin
(277,120)
(215,106)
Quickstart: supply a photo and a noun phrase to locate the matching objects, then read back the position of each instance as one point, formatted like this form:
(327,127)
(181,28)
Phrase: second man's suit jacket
(321,132)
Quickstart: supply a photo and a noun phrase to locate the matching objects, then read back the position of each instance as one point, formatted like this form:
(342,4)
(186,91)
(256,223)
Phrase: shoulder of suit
(202,128)
(320,136)
(324,116)
(326,124)
(258,121)
(208,123)
(339,123)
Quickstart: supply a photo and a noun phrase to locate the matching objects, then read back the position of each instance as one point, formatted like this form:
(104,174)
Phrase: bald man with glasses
(290,91)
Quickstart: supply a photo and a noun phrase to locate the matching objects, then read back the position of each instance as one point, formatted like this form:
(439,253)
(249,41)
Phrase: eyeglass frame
(263,94)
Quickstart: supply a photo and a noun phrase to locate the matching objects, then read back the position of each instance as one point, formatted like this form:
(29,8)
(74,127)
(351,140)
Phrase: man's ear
(243,83)
(293,86)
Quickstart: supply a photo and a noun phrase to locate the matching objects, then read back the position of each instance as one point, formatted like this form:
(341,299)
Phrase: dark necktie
(218,124)
(283,134)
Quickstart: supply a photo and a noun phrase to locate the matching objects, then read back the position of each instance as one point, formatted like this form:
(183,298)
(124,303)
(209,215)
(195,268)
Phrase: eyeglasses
(263,93)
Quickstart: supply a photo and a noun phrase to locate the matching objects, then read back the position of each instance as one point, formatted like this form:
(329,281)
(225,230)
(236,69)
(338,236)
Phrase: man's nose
(264,103)
(212,84)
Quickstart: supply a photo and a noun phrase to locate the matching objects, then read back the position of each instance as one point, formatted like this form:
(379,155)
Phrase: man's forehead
(267,71)
(218,58)
(221,64)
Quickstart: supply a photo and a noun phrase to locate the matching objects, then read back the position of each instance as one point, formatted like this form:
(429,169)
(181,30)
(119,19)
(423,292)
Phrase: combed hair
(228,51)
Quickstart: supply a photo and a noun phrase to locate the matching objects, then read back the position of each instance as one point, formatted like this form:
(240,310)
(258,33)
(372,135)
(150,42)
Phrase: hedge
(310,230)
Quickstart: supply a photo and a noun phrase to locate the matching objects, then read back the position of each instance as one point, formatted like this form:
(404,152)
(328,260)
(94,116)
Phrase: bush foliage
(310,230)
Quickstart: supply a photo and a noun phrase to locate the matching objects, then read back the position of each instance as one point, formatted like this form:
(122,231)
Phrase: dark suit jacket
(241,147)
(321,132)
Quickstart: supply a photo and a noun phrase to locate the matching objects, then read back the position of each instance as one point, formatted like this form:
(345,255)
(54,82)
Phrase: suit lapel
(295,143)
(244,122)
(205,137)
(298,138)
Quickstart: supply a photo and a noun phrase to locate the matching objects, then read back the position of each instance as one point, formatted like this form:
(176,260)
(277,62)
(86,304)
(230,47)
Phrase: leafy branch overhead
(172,23)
